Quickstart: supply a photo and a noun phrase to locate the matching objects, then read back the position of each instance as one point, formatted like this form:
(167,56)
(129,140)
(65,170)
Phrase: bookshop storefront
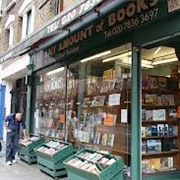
(112,84)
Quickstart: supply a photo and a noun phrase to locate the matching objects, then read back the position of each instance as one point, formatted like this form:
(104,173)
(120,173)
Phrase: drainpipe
(29,91)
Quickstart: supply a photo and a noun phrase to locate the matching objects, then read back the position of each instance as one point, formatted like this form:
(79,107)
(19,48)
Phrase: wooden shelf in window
(159,122)
(160,137)
(101,147)
(158,106)
(158,91)
(162,153)
(101,107)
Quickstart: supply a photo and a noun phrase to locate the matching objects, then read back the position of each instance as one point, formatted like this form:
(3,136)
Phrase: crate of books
(88,164)
(26,148)
(50,157)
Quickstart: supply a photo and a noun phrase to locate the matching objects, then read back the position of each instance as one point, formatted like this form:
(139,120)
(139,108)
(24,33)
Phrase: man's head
(19,116)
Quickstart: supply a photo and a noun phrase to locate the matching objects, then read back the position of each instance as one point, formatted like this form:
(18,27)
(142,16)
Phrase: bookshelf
(160,124)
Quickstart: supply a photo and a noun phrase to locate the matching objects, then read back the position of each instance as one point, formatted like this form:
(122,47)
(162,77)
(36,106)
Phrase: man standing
(12,125)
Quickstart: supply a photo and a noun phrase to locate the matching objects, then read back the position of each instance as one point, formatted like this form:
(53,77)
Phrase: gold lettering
(89,29)
(121,15)
(83,35)
(111,19)
(131,9)
(153,3)
(141,5)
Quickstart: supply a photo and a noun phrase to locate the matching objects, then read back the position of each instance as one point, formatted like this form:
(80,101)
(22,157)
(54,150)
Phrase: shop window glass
(49,113)
(160,112)
(100,116)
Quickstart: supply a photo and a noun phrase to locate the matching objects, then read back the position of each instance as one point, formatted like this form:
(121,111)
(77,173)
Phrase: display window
(88,102)
(160,109)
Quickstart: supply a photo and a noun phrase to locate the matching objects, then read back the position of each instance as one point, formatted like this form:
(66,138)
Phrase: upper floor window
(10,29)
(27,12)
(59,6)
(29,22)
(9,4)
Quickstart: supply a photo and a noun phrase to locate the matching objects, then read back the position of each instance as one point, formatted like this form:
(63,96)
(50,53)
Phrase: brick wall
(42,16)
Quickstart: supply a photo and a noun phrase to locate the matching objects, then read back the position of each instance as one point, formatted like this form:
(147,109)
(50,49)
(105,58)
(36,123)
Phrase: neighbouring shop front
(111,82)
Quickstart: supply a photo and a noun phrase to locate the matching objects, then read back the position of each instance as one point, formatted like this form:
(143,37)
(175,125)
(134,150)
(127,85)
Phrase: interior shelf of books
(160,125)
(26,148)
(88,164)
(50,157)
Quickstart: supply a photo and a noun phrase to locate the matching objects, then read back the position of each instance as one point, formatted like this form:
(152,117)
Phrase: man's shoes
(14,161)
(9,163)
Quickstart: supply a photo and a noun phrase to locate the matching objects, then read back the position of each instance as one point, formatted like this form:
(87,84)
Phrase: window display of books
(52,147)
(158,164)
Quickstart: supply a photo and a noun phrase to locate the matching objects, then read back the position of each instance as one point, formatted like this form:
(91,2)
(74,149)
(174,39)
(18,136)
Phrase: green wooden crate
(112,172)
(69,150)
(27,153)
(34,144)
(53,164)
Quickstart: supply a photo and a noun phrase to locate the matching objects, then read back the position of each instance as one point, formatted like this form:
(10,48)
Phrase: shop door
(19,98)
(2,100)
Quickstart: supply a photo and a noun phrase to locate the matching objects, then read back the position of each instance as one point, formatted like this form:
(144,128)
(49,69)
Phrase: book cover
(173,114)
(151,99)
(160,129)
(153,82)
(143,114)
(153,146)
(144,147)
(153,130)
(149,115)
(104,139)
(109,119)
(166,144)
(114,99)
(148,131)
(110,140)
(170,162)
(155,163)
(143,131)
(159,115)
(162,82)
(98,101)
(87,102)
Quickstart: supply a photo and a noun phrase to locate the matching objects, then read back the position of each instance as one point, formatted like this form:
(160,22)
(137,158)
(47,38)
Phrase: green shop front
(109,81)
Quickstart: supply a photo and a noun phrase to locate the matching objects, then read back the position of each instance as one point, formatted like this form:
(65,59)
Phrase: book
(151,99)
(149,115)
(155,163)
(110,140)
(87,102)
(160,129)
(143,114)
(144,147)
(159,115)
(143,131)
(109,119)
(173,114)
(162,82)
(114,99)
(104,139)
(153,146)
(98,101)
(153,82)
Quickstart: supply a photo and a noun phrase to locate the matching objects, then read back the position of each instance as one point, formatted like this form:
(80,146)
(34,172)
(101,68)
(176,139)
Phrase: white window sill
(10,5)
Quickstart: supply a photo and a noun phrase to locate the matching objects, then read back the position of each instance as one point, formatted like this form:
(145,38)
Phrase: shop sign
(124,19)
(173,5)
(72,15)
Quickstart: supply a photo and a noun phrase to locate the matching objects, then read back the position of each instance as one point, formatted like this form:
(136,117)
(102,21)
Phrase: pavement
(21,170)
